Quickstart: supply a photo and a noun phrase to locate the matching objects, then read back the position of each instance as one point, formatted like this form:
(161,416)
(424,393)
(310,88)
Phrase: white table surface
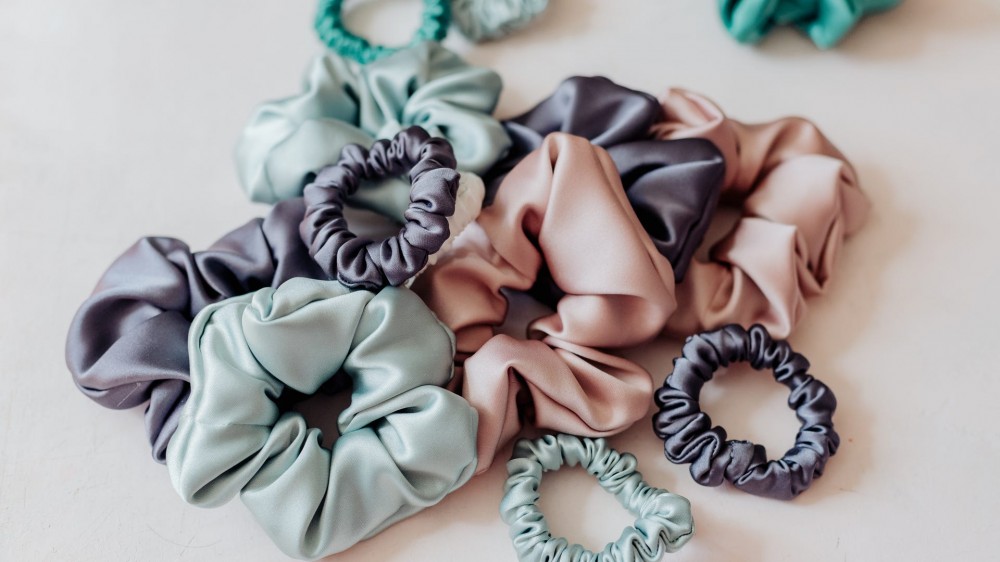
(118,120)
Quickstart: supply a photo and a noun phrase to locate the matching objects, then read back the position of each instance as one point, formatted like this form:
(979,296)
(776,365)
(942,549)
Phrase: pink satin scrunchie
(800,199)
(562,208)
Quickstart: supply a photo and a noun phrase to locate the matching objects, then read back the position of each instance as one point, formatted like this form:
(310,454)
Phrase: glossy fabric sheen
(482,20)
(826,22)
(562,209)
(664,521)
(690,438)
(404,442)
(287,141)
(800,199)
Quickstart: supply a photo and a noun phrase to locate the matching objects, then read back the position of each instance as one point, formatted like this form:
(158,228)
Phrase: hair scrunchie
(404,442)
(664,521)
(329,26)
(690,438)
(800,199)
(288,141)
(826,22)
(562,209)
(482,20)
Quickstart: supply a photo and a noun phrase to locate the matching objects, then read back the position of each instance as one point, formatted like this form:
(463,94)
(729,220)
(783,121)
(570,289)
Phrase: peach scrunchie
(800,199)
(563,209)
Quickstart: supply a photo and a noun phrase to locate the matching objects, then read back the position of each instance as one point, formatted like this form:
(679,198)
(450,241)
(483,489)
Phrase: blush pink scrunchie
(800,199)
(562,208)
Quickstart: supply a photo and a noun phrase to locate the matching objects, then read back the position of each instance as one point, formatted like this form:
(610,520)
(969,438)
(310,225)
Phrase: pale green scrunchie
(482,20)
(405,442)
(664,521)
(287,141)
(825,21)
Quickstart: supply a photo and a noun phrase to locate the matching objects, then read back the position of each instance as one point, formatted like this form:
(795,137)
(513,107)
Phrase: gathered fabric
(483,20)
(330,28)
(826,22)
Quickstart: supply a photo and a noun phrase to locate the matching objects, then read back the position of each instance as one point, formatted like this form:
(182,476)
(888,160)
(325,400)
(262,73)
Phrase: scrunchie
(690,438)
(368,264)
(330,27)
(482,20)
(824,21)
(404,442)
(561,209)
(289,140)
(800,199)
(673,186)
(664,521)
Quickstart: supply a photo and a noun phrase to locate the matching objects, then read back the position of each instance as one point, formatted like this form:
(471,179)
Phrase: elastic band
(690,438)
(664,521)
(330,27)
(483,20)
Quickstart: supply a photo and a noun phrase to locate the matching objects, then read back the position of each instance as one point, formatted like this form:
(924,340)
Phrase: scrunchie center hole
(321,410)
(569,499)
(383,21)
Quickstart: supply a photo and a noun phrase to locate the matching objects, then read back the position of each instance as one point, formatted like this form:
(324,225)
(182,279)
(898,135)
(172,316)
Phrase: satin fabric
(826,22)
(664,521)
(482,20)
(562,209)
(800,199)
(287,141)
(690,438)
(404,442)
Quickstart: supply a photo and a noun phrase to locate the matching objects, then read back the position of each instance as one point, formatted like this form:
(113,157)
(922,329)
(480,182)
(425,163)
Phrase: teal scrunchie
(664,521)
(825,21)
(330,28)
(481,20)
(287,141)
(405,442)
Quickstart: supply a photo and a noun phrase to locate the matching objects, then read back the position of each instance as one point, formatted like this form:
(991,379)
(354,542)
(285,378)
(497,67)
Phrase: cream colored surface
(118,119)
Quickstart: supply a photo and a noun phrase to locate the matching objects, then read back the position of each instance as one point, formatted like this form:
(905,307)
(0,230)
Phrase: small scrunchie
(664,521)
(800,199)
(672,186)
(370,264)
(562,209)
(404,442)
(288,141)
(826,22)
(690,438)
(483,20)
(329,26)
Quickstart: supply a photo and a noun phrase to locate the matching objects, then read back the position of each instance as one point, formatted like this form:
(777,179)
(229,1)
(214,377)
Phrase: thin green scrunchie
(825,21)
(330,28)
(482,20)
(664,521)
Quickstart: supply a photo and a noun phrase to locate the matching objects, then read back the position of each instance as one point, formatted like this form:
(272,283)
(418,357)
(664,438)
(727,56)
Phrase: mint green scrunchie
(481,20)
(405,442)
(825,21)
(287,141)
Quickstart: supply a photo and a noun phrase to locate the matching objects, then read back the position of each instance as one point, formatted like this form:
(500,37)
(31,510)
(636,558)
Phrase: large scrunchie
(561,209)
(287,141)
(800,199)
(826,22)
(672,186)
(482,20)
(664,521)
(404,442)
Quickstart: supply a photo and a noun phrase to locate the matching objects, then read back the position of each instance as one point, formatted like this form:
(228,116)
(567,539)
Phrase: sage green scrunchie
(482,20)
(405,442)
(330,28)
(825,21)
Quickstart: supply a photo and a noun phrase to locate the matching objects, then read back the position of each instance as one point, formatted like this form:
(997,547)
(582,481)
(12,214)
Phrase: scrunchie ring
(370,264)
(330,28)
(664,521)
(690,438)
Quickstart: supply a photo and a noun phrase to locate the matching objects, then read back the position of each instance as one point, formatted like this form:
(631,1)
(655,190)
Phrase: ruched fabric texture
(800,199)
(664,521)
(372,264)
(127,344)
(482,20)
(690,438)
(404,442)
(562,209)
(288,141)
(330,28)
(826,22)
(672,186)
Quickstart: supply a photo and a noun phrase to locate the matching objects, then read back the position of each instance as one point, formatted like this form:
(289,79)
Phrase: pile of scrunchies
(597,202)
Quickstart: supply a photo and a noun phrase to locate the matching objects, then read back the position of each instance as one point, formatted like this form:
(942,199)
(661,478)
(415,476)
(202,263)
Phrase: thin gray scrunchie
(690,438)
(373,264)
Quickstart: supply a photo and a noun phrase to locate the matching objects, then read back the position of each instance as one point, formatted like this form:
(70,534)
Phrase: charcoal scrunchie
(690,438)
(373,264)
(664,521)
(826,22)
(404,442)
(483,20)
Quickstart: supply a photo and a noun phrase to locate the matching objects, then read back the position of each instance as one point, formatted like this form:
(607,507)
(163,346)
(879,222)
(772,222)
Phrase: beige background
(118,120)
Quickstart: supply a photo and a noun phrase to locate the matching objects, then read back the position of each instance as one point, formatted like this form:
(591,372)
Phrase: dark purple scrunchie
(690,438)
(369,264)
